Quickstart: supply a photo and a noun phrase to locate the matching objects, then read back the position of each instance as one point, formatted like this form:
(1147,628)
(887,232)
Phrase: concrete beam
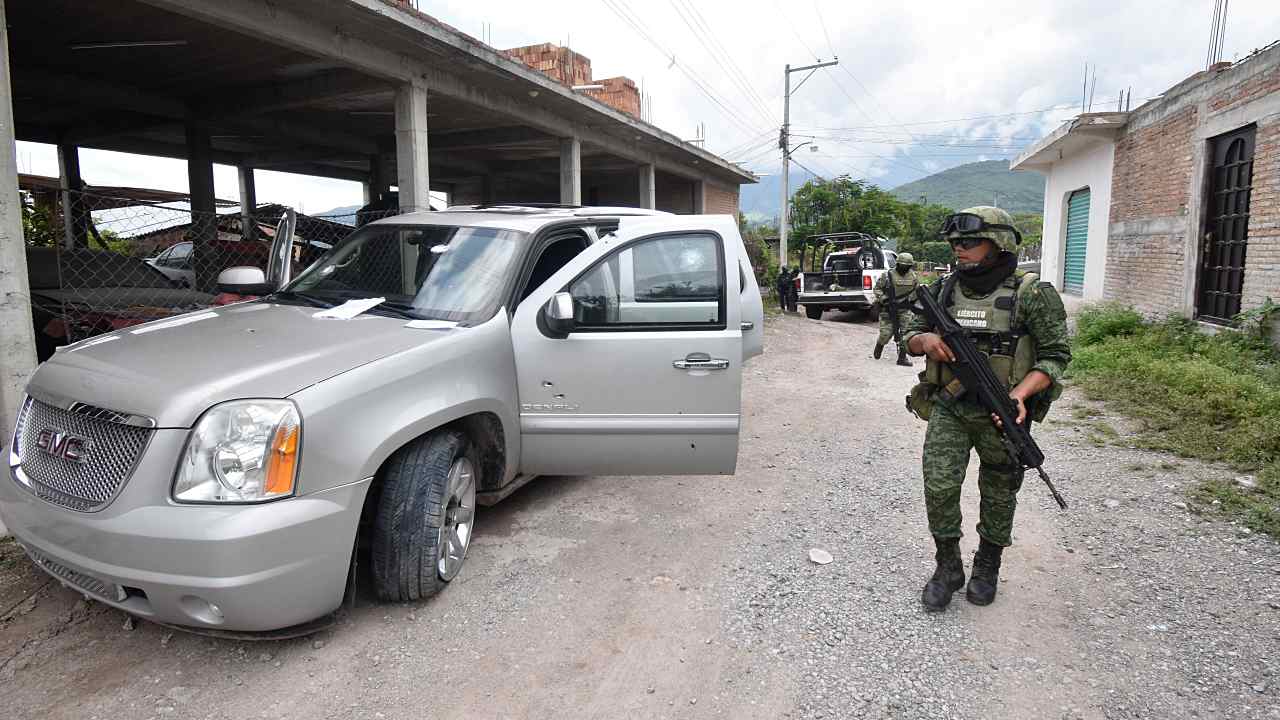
(491,138)
(389,57)
(18,350)
(412,168)
(335,85)
(570,171)
(648,188)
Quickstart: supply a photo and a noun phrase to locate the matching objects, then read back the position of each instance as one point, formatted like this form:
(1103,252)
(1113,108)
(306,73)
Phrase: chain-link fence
(97,263)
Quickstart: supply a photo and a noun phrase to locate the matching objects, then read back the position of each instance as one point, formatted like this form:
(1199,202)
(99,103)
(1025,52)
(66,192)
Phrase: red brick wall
(1247,90)
(1262,258)
(721,200)
(1155,172)
(1150,184)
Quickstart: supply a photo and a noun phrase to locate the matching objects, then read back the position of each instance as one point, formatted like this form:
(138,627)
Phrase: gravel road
(696,598)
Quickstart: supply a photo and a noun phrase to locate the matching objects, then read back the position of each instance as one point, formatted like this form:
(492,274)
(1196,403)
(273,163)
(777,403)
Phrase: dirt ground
(695,596)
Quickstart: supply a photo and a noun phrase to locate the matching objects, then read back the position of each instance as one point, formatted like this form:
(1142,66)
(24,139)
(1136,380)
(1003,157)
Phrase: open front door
(648,380)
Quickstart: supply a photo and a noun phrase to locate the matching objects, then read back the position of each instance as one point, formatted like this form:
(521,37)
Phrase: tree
(845,205)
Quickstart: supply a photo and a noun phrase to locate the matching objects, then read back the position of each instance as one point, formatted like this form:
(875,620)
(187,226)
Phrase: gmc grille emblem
(64,445)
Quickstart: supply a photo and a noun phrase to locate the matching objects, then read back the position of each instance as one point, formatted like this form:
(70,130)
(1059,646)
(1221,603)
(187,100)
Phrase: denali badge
(63,445)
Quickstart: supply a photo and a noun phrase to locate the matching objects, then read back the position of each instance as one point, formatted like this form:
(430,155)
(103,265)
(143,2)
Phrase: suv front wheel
(425,516)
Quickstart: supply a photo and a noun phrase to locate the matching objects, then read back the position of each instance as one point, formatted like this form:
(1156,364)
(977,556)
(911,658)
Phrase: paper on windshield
(350,308)
(431,324)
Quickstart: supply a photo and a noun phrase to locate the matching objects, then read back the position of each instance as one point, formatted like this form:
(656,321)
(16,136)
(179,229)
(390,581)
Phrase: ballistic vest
(903,285)
(992,321)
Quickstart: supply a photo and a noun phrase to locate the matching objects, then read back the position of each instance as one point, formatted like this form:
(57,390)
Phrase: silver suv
(223,469)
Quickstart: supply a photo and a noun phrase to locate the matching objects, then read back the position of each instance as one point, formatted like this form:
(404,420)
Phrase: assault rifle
(973,370)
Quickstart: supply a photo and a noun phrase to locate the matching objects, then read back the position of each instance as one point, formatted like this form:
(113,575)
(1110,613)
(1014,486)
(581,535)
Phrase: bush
(1209,396)
(1099,322)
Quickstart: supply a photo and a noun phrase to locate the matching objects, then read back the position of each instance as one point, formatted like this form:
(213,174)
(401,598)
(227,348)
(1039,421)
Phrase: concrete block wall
(1160,187)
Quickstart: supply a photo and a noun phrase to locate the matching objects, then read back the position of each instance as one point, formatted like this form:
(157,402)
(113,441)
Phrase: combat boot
(947,578)
(876,353)
(902,358)
(985,575)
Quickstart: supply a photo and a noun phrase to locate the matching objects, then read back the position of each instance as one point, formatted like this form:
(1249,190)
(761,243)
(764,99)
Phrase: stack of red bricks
(569,68)
(619,93)
(558,63)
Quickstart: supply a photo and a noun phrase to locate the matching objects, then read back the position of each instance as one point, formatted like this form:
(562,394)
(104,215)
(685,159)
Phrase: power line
(823,24)
(1066,106)
(795,32)
(719,53)
(624,12)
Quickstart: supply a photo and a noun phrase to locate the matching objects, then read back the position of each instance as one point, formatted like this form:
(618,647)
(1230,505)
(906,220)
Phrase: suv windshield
(440,272)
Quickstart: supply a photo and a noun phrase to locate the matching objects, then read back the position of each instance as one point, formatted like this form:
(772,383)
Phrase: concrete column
(17,339)
(74,221)
(414,179)
(699,197)
(204,226)
(487,193)
(248,204)
(570,171)
(648,188)
(379,179)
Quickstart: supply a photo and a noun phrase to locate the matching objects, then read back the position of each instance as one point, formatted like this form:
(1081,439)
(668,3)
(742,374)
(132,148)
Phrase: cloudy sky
(890,111)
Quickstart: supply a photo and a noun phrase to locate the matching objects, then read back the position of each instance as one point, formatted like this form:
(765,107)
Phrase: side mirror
(246,280)
(558,315)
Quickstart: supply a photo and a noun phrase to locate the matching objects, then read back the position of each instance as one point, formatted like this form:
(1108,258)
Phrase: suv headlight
(241,451)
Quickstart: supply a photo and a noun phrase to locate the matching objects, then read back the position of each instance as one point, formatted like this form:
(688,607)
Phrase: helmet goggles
(970,223)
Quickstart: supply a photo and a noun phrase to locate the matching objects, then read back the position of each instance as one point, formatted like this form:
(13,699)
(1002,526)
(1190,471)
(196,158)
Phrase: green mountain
(979,183)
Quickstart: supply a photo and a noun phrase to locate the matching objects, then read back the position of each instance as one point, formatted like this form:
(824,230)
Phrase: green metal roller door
(1077,242)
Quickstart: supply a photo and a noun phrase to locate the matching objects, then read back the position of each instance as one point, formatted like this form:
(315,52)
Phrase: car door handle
(747,325)
(700,361)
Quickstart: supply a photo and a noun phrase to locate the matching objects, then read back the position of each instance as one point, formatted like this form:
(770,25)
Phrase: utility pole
(784,144)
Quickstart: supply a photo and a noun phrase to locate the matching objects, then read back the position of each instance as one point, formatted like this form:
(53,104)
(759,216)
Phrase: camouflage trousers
(886,325)
(954,429)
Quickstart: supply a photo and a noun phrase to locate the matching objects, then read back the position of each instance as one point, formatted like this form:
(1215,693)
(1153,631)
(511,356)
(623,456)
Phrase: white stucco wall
(1091,168)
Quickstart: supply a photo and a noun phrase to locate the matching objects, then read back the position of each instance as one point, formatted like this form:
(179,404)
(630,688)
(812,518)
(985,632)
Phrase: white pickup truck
(852,263)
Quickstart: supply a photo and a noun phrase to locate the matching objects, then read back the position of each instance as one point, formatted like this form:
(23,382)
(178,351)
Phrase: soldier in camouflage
(1021,325)
(905,282)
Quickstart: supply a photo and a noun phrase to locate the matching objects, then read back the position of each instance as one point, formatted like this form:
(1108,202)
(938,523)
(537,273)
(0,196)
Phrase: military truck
(851,262)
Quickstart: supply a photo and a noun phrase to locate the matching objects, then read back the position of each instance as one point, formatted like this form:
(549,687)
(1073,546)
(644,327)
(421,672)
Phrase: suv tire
(813,312)
(425,516)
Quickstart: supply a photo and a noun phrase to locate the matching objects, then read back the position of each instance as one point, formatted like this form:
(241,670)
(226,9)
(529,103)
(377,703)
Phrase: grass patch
(1213,397)
(1082,412)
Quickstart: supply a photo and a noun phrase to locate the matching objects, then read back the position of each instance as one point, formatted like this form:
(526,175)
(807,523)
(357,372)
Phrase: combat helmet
(906,260)
(996,225)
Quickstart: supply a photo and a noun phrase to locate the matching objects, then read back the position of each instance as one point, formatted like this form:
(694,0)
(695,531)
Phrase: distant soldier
(781,285)
(793,293)
(895,305)
(1020,324)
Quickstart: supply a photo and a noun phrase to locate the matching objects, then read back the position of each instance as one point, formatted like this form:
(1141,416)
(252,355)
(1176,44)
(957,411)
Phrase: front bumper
(236,567)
